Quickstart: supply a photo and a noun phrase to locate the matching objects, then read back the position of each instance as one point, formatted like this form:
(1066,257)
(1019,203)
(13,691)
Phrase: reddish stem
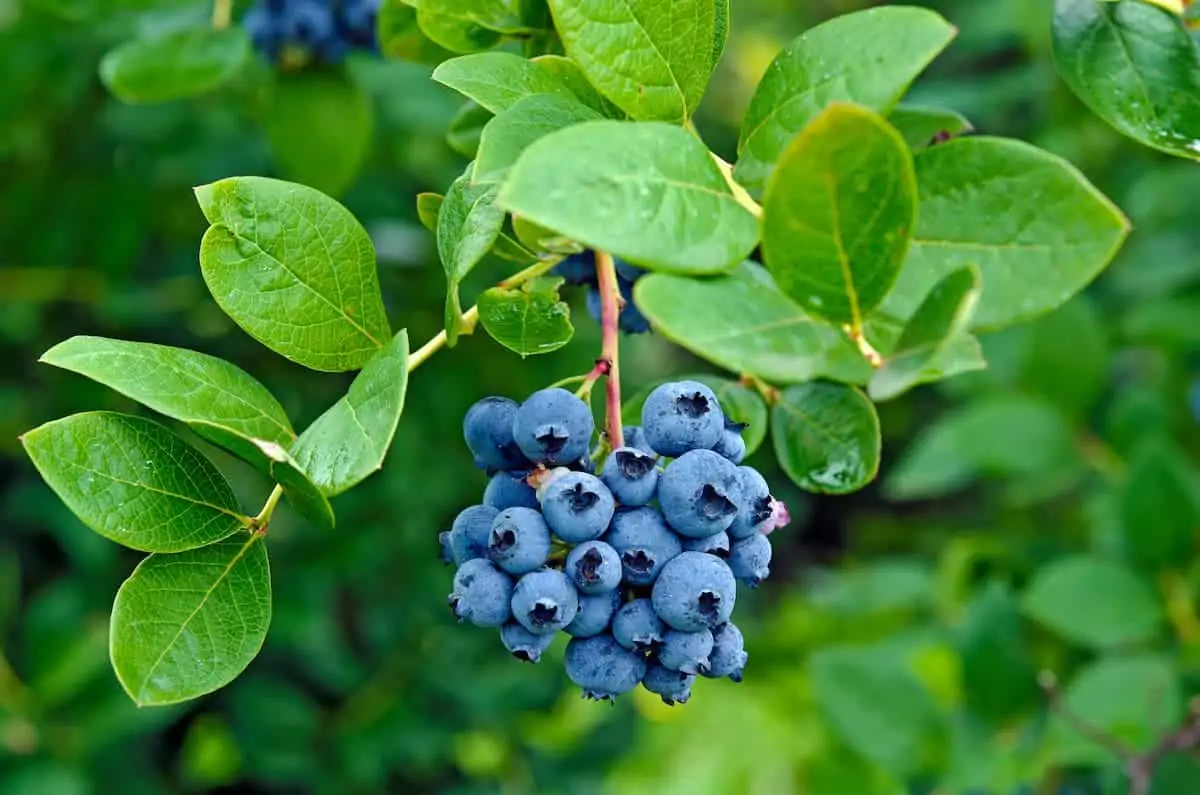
(610,311)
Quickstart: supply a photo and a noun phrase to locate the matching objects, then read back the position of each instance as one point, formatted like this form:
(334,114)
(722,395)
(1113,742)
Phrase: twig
(222,14)
(610,311)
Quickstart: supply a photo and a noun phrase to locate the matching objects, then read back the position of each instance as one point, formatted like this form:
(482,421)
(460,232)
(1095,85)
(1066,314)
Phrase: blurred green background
(888,654)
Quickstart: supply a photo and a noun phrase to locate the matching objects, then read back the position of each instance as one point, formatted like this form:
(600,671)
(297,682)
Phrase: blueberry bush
(859,333)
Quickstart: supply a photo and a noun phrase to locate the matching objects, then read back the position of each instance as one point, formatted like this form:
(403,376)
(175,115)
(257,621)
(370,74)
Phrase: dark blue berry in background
(488,429)
(312,30)
(577,269)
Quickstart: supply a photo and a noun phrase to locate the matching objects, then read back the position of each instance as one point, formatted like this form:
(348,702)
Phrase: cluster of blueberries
(580,269)
(323,30)
(639,565)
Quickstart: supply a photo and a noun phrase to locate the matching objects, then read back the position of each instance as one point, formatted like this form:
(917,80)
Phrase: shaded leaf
(181,64)
(998,676)
(134,482)
(826,437)
(466,128)
(508,135)
(1066,356)
(350,440)
(569,73)
(1093,602)
(463,25)
(469,221)
(294,269)
(923,126)
(529,319)
(187,624)
(818,68)
(838,212)
(400,36)
(498,80)
(648,193)
(1159,510)
(428,207)
(302,494)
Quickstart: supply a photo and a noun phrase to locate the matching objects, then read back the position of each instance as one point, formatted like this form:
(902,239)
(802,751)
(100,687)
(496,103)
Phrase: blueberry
(357,18)
(592,302)
(731,445)
(698,493)
(488,430)
(695,591)
(468,537)
(627,272)
(636,626)
(553,427)
(644,543)
(635,437)
(728,656)
(602,668)
(682,416)
(594,567)
(631,475)
(578,268)
(307,22)
(577,506)
(508,490)
(686,651)
(750,559)
(523,644)
(544,601)
(674,687)
(444,550)
(754,505)
(717,544)
(519,540)
(631,320)
(595,614)
(263,29)
(481,594)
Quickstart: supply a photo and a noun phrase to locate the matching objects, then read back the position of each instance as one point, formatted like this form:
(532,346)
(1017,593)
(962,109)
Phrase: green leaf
(462,25)
(941,319)
(320,126)
(219,401)
(182,64)
(469,221)
(743,323)
(826,437)
(1159,510)
(350,440)
(1037,229)
(922,126)
(1136,66)
(652,60)
(529,319)
(497,80)
(185,625)
(302,494)
(1134,699)
(134,482)
(570,75)
(838,213)
(1023,439)
(1066,356)
(819,68)
(1168,321)
(879,588)
(512,131)
(739,403)
(878,708)
(429,205)
(466,128)
(648,193)
(1093,602)
(400,36)
(998,676)
(722,12)
(294,269)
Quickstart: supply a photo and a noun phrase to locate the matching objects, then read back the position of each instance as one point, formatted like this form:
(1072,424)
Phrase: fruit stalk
(610,312)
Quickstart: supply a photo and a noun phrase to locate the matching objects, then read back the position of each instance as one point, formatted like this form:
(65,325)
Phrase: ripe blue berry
(481,594)
(519,540)
(522,643)
(682,416)
(444,550)
(731,446)
(577,506)
(488,430)
(695,591)
(553,427)
(635,437)
(686,651)
(698,493)
(544,601)
(728,656)
(631,475)
(750,559)
(468,537)
(626,271)
(631,320)
(674,687)
(595,614)
(644,543)
(754,505)
(308,23)
(636,626)
(507,490)
(578,268)
(594,567)
(602,668)
(717,544)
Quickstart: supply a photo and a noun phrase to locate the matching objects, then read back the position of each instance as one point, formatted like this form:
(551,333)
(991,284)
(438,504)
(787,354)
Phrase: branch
(610,312)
